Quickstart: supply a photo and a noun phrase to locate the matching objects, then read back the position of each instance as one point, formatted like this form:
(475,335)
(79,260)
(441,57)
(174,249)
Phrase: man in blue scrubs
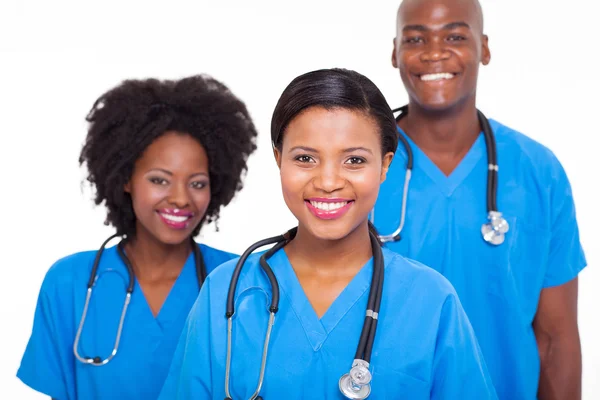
(520,295)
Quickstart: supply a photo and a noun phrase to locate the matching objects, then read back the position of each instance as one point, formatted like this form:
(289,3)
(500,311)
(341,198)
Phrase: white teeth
(328,206)
(437,77)
(175,218)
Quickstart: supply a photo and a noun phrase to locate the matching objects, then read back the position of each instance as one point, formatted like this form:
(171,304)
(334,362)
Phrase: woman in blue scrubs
(164,157)
(334,137)
(520,295)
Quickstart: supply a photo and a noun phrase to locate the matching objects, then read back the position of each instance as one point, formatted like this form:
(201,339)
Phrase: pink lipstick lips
(175,218)
(328,208)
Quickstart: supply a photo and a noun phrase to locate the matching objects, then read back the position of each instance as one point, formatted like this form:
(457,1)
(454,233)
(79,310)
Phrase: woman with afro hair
(163,157)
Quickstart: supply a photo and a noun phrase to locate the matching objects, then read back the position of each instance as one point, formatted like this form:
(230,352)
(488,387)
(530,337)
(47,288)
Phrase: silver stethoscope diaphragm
(495,230)
(356,384)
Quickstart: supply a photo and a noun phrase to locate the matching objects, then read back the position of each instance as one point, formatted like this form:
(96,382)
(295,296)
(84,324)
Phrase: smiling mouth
(328,206)
(176,219)
(440,76)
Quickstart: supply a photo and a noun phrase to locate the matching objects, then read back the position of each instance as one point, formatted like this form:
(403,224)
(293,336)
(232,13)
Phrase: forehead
(434,14)
(172,147)
(333,129)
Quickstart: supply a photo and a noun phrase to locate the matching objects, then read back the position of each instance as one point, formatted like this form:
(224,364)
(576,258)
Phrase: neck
(153,260)
(330,257)
(446,135)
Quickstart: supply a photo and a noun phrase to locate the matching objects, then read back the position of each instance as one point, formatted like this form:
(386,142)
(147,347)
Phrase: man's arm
(557,335)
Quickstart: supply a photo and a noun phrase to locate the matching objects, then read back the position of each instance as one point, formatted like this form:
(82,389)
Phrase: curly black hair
(124,121)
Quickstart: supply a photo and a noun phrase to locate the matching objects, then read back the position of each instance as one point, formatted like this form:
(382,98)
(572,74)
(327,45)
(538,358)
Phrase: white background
(56,58)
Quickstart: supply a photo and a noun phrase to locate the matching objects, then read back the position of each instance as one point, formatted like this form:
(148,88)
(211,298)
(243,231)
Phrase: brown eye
(158,181)
(413,40)
(456,38)
(355,160)
(199,185)
(304,158)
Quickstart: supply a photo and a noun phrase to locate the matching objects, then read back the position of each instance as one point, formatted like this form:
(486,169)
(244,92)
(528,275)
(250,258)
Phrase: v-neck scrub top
(424,348)
(147,343)
(499,286)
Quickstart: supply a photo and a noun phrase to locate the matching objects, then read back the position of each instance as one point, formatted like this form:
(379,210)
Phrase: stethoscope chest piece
(495,230)
(357,383)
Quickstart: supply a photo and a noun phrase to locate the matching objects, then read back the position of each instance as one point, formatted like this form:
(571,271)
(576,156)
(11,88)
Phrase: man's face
(438,48)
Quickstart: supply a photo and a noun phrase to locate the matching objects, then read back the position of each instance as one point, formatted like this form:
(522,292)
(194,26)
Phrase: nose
(179,196)
(329,179)
(435,51)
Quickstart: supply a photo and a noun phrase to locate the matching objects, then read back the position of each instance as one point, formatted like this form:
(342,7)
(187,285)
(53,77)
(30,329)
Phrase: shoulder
(526,151)
(221,276)
(413,276)
(70,269)
(214,257)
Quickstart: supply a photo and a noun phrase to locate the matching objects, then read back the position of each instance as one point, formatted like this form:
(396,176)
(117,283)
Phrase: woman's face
(170,188)
(331,166)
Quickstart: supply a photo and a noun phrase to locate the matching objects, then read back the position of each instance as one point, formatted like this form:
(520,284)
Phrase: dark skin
(557,335)
(324,279)
(330,154)
(446,36)
(441,37)
(171,174)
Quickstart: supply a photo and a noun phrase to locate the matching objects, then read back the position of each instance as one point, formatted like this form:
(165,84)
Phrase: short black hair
(334,88)
(124,121)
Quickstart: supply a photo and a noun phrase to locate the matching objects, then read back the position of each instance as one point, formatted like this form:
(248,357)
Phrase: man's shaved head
(470,8)
(436,37)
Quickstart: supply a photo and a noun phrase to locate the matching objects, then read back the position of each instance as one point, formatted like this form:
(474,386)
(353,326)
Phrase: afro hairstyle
(124,121)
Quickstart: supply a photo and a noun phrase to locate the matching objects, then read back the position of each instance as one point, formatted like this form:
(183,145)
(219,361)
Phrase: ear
(394,59)
(277,155)
(385,165)
(486,56)
(127,187)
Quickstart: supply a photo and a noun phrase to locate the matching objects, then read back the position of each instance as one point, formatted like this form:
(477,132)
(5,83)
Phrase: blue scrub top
(147,343)
(499,286)
(424,348)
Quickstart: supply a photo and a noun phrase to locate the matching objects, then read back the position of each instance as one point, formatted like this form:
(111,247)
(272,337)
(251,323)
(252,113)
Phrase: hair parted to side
(330,89)
(124,121)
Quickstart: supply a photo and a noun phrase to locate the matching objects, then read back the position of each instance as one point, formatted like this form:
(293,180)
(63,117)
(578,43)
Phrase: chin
(438,101)
(173,238)
(434,103)
(329,230)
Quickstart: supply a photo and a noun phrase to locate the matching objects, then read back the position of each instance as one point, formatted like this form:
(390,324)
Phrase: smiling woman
(330,284)
(164,157)
(338,175)
(170,188)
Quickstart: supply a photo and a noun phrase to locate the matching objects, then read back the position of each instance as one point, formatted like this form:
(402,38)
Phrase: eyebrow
(353,149)
(304,148)
(171,174)
(449,26)
(348,150)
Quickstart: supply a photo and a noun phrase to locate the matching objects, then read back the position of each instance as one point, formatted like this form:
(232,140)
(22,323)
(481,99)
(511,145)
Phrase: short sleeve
(190,372)
(566,258)
(47,364)
(459,370)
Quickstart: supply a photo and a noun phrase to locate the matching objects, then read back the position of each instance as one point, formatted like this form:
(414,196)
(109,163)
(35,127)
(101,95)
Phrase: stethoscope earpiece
(495,230)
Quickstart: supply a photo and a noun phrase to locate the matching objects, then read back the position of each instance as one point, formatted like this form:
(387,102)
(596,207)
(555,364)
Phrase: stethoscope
(97,361)
(495,229)
(356,384)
